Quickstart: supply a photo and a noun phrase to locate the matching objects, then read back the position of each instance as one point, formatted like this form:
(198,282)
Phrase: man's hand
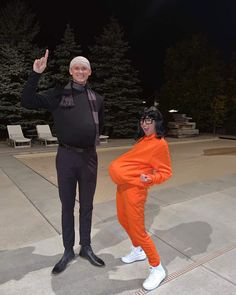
(40,64)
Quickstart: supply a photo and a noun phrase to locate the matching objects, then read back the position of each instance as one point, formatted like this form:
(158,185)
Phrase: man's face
(148,125)
(80,73)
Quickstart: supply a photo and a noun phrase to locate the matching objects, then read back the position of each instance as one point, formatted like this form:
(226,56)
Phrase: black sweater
(74,125)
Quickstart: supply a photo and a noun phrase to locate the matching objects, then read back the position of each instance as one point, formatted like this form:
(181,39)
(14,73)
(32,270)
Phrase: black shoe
(68,256)
(87,253)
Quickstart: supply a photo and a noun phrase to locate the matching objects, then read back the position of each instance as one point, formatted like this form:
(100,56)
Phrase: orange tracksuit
(150,156)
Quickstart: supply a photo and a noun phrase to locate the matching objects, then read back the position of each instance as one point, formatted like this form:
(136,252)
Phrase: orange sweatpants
(130,212)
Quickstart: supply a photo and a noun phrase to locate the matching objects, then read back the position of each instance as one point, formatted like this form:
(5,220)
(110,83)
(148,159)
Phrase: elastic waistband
(76,149)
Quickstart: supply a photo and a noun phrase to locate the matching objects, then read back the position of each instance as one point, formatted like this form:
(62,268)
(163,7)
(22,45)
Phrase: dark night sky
(151,26)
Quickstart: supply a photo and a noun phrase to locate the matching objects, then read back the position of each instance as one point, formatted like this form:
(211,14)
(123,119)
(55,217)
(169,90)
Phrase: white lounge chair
(104,138)
(16,137)
(45,135)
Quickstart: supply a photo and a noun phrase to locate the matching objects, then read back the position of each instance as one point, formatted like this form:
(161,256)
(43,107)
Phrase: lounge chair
(104,138)
(45,135)
(16,137)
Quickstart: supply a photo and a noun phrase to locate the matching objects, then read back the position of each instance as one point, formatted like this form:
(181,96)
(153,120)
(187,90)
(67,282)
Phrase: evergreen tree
(17,23)
(115,78)
(193,78)
(11,85)
(218,108)
(17,33)
(64,52)
(230,126)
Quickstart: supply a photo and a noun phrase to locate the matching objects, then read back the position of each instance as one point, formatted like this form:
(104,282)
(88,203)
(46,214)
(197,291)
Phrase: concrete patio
(191,219)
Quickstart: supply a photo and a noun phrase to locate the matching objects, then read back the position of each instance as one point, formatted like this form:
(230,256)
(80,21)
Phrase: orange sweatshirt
(150,156)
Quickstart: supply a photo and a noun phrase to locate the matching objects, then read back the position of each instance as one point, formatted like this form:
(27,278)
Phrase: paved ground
(191,219)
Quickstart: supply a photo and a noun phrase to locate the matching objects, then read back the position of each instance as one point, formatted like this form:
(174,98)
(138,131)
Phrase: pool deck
(191,219)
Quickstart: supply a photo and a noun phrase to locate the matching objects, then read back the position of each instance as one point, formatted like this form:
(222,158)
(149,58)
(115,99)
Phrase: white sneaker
(156,276)
(136,254)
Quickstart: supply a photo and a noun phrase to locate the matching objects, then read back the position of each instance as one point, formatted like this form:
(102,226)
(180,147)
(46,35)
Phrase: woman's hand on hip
(145,178)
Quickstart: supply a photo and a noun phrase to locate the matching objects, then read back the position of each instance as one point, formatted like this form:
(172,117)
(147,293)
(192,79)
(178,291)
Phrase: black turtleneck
(74,123)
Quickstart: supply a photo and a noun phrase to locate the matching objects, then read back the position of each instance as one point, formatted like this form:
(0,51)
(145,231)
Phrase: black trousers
(76,167)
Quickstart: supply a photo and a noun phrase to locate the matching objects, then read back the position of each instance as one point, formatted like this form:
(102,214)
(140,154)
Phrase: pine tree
(17,33)
(11,85)
(193,78)
(17,23)
(114,77)
(230,126)
(64,52)
(218,111)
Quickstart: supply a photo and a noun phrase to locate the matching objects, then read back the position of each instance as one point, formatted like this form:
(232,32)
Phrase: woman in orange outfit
(146,164)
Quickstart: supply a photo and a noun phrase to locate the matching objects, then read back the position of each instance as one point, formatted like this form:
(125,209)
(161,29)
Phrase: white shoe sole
(155,286)
(138,259)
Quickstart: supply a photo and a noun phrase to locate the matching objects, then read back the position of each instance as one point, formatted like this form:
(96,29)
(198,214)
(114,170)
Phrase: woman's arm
(161,164)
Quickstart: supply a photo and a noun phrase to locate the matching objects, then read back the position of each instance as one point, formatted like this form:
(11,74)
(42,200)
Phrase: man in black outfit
(78,116)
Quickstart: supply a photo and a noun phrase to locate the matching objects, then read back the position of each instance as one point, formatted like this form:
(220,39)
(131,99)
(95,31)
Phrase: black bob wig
(153,113)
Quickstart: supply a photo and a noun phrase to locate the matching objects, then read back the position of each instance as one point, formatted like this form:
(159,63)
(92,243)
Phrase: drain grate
(193,265)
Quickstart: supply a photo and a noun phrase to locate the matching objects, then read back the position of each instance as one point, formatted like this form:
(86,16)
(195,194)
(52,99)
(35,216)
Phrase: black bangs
(151,112)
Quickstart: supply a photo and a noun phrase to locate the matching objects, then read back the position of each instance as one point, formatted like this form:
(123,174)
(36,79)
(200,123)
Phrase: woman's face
(148,125)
